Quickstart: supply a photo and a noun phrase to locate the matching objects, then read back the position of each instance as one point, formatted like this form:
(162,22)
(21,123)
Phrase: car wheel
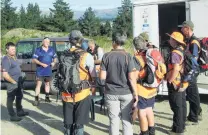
(54,85)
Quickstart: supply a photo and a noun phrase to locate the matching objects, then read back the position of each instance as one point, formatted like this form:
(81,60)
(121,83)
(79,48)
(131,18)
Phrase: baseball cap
(189,24)
(145,36)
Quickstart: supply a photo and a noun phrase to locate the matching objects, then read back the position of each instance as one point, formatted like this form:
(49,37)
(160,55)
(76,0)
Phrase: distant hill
(107,14)
(103,14)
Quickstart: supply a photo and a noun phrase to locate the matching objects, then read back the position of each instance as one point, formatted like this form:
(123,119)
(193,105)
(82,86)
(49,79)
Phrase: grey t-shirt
(117,64)
(11,66)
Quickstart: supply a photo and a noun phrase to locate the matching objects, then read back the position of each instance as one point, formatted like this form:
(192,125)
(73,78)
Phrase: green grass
(18,34)
(6,40)
(106,43)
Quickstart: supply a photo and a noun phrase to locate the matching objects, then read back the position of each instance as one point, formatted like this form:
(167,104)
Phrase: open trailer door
(145,19)
(198,14)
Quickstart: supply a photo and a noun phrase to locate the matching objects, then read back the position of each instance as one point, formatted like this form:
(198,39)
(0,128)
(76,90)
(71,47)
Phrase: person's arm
(137,66)
(132,79)
(36,61)
(103,75)
(175,60)
(91,68)
(175,72)
(54,60)
(195,51)
(100,56)
(6,64)
(103,72)
(97,62)
(9,78)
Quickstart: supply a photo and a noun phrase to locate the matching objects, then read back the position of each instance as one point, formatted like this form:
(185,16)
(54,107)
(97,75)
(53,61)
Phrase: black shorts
(44,78)
(144,103)
(78,112)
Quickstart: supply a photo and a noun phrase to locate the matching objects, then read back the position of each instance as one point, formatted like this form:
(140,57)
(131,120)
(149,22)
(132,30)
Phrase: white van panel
(146,20)
(198,14)
(150,2)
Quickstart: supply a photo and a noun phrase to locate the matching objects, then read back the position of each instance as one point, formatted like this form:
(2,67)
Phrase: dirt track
(47,119)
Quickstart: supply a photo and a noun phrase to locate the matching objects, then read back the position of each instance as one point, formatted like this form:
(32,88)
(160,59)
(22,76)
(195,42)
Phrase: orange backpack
(153,68)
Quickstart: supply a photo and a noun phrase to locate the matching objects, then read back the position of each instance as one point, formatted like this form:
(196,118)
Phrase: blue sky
(78,5)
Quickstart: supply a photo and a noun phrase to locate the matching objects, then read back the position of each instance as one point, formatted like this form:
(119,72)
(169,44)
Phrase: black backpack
(203,55)
(191,67)
(68,72)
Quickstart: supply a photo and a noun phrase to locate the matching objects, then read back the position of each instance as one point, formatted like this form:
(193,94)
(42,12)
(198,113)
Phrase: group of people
(190,91)
(119,74)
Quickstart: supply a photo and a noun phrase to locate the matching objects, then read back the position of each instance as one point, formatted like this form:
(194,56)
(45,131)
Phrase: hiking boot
(151,130)
(47,99)
(184,130)
(67,132)
(79,131)
(173,133)
(22,113)
(15,118)
(36,102)
(189,123)
(144,133)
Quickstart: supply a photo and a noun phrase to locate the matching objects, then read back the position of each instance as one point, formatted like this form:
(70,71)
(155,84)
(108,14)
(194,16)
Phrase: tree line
(61,19)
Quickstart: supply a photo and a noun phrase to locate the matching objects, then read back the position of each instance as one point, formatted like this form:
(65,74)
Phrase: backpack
(68,72)
(203,55)
(191,67)
(203,52)
(155,68)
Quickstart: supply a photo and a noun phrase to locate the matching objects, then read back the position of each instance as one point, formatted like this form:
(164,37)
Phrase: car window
(25,50)
(62,45)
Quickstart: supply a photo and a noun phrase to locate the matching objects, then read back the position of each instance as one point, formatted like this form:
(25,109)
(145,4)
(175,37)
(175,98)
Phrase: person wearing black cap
(117,71)
(76,107)
(192,92)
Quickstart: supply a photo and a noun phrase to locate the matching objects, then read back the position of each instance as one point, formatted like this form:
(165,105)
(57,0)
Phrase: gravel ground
(46,119)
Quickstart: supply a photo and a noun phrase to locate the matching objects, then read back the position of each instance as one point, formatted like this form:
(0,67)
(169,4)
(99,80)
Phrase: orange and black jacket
(84,75)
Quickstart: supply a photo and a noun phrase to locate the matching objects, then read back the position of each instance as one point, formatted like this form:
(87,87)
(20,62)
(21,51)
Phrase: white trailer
(158,17)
